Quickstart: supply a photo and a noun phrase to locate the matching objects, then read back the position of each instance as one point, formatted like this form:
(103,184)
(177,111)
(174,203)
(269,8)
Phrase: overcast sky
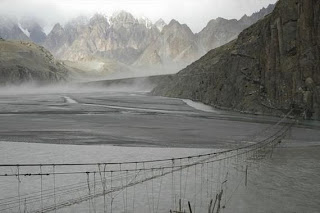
(195,13)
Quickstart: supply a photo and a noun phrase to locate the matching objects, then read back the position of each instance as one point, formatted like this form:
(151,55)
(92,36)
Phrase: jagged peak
(262,11)
(160,21)
(123,18)
(122,15)
(173,22)
(160,24)
(175,25)
(57,27)
(145,21)
(98,17)
(217,21)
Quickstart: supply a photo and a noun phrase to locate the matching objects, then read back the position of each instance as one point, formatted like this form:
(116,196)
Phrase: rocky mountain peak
(174,22)
(175,26)
(34,29)
(57,28)
(145,22)
(98,19)
(160,24)
(123,18)
(249,20)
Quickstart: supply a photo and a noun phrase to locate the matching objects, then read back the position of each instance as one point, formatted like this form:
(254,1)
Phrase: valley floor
(288,182)
(126,118)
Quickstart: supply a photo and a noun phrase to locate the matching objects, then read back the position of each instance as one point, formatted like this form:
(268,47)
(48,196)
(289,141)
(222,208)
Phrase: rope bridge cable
(230,156)
(125,178)
(215,154)
(196,163)
(250,147)
(219,159)
(143,161)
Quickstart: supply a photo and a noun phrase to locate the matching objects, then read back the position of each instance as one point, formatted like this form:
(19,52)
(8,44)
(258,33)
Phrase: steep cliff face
(22,61)
(273,66)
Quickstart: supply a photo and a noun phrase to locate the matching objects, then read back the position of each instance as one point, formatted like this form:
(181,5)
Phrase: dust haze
(134,85)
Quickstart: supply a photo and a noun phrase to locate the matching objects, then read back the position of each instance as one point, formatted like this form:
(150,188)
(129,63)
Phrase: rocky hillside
(272,67)
(22,61)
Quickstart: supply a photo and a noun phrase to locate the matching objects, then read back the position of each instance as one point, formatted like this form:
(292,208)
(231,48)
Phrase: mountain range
(127,41)
(271,68)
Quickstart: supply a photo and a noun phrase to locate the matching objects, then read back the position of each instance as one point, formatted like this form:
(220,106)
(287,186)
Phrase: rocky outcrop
(272,67)
(22,61)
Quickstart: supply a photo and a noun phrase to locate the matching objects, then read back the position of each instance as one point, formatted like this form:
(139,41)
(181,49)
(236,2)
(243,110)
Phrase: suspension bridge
(198,183)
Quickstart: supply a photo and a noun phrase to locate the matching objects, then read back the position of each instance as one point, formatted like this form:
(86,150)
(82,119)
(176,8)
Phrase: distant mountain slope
(272,67)
(220,31)
(22,61)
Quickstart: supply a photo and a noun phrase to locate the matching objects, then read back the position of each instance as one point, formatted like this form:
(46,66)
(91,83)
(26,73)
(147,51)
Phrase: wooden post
(215,203)
(189,205)
(246,179)
(219,201)
(210,205)
(180,208)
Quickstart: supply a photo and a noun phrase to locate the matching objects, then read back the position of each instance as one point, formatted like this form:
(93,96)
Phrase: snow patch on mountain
(25,31)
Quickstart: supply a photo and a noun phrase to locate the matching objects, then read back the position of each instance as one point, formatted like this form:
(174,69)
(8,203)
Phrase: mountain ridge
(110,39)
(271,68)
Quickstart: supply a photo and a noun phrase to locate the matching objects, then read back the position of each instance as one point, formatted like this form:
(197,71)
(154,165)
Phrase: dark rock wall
(272,66)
